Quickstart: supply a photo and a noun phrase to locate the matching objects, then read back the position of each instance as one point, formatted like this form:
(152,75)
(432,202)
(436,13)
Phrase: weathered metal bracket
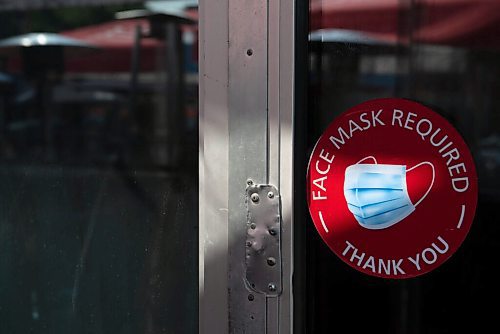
(263,242)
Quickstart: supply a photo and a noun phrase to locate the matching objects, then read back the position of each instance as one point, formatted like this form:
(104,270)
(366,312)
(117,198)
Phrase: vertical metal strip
(274,91)
(301,304)
(286,64)
(272,315)
(273,303)
(213,168)
(247,149)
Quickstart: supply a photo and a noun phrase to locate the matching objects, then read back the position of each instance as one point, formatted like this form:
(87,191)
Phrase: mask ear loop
(368,157)
(432,182)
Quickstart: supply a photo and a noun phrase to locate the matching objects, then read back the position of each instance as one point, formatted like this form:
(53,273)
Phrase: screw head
(270,194)
(255,197)
(251,297)
(253,226)
(249,52)
(271,261)
(272,232)
(271,287)
(249,182)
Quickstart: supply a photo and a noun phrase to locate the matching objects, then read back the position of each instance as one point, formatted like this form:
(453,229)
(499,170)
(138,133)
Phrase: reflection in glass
(442,53)
(98,166)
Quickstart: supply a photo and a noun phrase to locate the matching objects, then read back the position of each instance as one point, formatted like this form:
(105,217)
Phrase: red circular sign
(392,188)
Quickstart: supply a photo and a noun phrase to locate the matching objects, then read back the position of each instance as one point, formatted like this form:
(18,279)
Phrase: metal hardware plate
(263,242)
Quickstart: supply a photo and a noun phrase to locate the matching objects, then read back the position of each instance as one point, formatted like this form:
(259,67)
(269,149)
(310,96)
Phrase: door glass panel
(98,171)
(444,54)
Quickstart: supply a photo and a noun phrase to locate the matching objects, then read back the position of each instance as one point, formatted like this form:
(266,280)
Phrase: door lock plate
(263,241)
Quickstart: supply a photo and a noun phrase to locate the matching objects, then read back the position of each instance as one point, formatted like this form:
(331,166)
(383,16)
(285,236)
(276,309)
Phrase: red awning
(116,39)
(37,4)
(467,23)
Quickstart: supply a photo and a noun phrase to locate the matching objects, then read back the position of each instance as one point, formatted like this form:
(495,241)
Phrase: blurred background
(98,166)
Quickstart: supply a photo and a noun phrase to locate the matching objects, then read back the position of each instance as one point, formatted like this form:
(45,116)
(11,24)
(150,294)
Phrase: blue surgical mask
(377,195)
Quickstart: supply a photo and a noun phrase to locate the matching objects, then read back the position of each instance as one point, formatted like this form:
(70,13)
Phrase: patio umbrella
(36,40)
(43,56)
(177,16)
(42,52)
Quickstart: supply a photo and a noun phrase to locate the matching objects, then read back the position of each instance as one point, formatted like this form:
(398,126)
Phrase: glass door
(444,54)
(98,168)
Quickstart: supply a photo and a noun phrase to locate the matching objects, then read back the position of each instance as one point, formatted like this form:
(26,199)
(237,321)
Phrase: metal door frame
(246,132)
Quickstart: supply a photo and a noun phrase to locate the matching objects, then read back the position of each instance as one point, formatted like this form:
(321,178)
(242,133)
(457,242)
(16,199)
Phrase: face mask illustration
(377,195)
